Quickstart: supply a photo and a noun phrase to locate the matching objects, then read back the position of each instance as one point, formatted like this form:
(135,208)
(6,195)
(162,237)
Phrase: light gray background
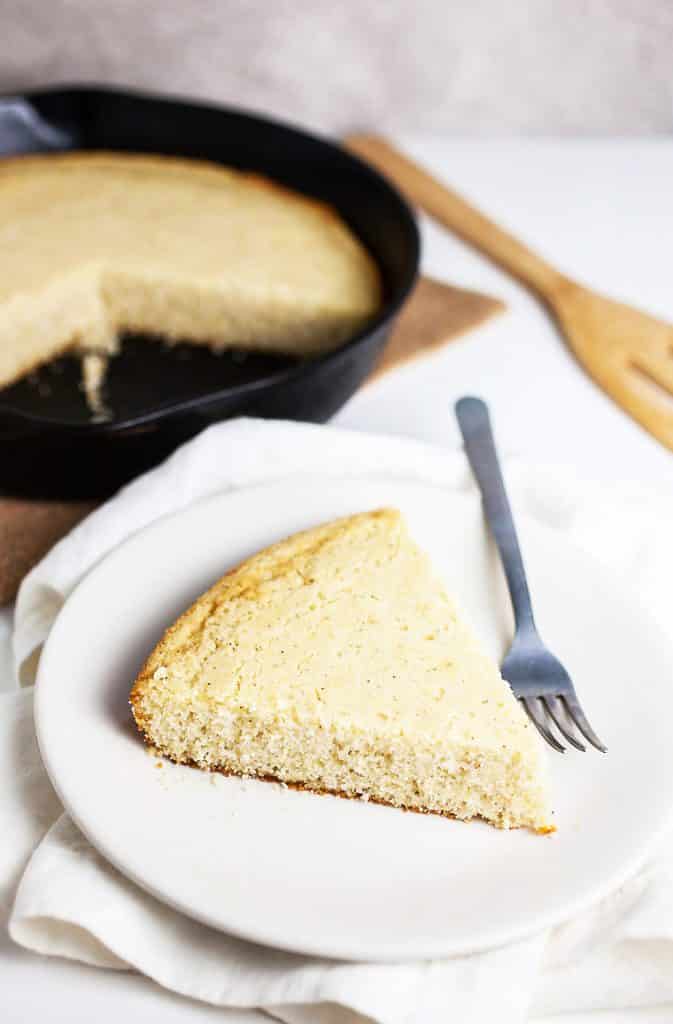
(468,67)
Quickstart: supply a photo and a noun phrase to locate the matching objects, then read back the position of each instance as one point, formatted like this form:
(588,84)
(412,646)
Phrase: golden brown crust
(207,170)
(280,557)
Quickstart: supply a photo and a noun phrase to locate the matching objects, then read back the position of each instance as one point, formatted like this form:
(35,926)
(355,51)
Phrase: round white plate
(342,878)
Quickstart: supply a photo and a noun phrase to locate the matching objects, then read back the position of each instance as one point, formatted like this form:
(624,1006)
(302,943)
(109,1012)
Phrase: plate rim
(535,923)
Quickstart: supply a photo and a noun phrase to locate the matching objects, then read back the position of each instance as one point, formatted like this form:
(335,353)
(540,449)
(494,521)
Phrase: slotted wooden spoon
(628,353)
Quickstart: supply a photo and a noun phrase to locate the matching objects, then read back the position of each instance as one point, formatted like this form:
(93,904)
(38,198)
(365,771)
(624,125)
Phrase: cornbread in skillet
(335,661)
(94,244)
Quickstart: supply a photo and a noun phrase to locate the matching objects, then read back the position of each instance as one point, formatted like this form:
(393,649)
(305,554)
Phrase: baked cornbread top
(346,622)
(171,217)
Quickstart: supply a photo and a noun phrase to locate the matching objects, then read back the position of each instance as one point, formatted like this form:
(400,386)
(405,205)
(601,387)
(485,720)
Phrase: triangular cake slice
(335,661)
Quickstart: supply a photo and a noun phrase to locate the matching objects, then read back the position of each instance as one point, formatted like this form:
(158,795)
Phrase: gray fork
(537,678)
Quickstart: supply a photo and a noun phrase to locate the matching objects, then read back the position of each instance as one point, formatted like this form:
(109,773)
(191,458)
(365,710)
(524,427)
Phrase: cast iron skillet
(159,396)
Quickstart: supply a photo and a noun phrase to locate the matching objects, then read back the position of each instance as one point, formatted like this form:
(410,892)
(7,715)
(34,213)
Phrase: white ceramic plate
(342,878)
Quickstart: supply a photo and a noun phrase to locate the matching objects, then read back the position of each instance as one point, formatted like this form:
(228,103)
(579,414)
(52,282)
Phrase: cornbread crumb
(334,661)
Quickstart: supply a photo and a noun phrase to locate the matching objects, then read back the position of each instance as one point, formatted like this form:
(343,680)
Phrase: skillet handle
(24,130)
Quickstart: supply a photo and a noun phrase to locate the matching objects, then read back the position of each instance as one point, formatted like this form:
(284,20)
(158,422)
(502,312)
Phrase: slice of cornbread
(93,244)
(334,660)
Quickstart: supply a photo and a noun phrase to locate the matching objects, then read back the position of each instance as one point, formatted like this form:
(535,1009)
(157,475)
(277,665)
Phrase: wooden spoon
(628,353)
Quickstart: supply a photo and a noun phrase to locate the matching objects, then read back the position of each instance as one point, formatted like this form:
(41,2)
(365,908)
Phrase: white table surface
(602,211)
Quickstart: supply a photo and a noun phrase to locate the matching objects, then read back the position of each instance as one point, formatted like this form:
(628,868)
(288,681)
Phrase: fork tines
(565,712)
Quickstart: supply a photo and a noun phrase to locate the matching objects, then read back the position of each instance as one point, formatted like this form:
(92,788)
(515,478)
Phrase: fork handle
(475,426)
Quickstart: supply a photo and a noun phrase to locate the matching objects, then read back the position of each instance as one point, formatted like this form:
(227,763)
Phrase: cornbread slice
(335,661)
(93,244)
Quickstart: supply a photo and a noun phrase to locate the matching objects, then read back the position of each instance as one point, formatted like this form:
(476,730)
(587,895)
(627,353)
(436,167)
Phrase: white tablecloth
(604,211)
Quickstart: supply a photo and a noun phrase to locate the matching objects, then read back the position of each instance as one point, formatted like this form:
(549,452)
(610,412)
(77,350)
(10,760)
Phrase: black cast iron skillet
(161,396)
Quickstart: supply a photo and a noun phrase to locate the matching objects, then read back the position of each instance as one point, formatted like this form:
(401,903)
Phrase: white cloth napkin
(63,899)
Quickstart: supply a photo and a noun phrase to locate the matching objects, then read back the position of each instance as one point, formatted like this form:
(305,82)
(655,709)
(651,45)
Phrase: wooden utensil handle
(456,213)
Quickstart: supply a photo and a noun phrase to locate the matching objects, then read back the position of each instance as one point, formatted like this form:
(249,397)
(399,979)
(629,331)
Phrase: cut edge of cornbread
(430,754)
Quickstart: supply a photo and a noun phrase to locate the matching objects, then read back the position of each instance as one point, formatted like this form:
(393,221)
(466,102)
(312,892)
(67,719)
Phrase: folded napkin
(62,898)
